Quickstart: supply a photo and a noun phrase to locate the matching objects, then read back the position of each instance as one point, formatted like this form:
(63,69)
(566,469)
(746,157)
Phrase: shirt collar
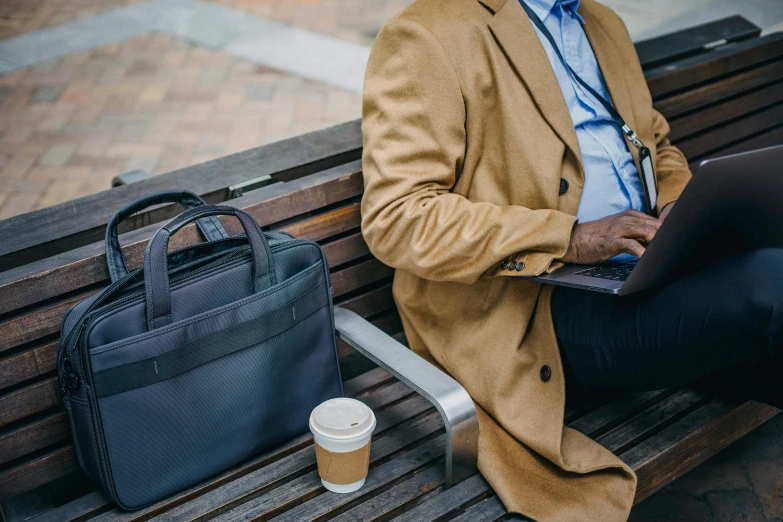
(544,7)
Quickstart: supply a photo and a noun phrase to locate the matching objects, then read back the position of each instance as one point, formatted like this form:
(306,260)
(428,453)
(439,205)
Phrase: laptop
(733,203)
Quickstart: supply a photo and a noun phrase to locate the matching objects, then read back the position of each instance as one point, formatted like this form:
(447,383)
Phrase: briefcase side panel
(164,436)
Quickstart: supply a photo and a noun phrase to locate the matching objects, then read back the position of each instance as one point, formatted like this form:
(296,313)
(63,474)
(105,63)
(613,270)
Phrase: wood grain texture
(450,502)
(768,138)
(27,439)
(37,324)
(710,67)
(27,401)
(649,421)
(726,110)
(732,133)
(485,511)
(356,276)
(718,90)
(373,302)
(29,364)
(684,445)
(345,249)
(25,477)
(691,41)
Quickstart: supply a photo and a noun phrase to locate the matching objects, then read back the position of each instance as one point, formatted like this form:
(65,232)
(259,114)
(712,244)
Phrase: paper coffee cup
(342,429)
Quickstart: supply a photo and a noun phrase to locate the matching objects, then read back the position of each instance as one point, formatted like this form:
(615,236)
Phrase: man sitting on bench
(499,142)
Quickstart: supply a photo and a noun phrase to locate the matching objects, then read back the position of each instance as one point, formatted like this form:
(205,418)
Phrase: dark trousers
(720,328)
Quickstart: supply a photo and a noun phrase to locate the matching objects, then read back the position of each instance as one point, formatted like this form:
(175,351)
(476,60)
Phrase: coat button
(546,373)
(519,266)
(504,265)
(563,185)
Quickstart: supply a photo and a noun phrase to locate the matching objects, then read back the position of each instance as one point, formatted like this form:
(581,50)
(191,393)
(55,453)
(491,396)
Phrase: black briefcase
(198,360)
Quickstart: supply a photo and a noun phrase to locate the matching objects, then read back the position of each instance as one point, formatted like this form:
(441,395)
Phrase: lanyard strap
(606,103)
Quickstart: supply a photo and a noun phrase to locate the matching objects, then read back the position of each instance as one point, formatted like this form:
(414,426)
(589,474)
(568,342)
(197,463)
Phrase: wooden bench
(727,99)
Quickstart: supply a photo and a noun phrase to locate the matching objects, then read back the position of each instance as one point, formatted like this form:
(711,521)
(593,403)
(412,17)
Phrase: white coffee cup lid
(342,419)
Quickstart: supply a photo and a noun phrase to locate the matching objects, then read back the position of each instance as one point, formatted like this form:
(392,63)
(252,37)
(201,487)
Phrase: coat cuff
(533,263)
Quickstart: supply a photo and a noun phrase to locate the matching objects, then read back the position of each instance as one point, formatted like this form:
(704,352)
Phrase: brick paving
(354,20)
(22,16)
(152,103)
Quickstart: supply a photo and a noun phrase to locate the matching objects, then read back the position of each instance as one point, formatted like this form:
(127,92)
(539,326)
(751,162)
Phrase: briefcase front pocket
(183,404)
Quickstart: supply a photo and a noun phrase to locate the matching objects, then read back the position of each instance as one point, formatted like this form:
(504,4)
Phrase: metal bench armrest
(452,401)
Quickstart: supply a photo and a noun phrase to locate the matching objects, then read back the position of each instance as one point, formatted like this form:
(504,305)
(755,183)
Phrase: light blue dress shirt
(612,183)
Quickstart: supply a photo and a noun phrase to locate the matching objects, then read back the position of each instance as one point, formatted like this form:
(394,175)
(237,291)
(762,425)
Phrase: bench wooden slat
(449,502)
(485,511)
(735,132)
(83,508)
(422,481)
(53,230)
(733,107)
(345,249)
(687,443)
(289,499)
(24,477)
(327,225)
(650,420)
(718,90)
(359,275)
(371,303)
(768,138)
(692,41)
(35,325)
(27,401)
(34,437)
(400,497)
(710,67)
(612,414)
(34,362)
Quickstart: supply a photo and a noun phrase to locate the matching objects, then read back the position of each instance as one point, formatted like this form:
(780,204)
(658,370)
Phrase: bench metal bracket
(447,395)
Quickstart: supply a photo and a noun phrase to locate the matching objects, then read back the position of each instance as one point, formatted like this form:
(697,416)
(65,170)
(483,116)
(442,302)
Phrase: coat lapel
(518,39)
(610,64)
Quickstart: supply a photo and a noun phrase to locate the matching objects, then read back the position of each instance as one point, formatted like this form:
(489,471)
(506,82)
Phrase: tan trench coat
(466,138)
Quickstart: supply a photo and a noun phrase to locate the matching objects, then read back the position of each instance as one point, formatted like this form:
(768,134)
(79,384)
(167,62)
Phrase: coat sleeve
(414,144)
(671,168)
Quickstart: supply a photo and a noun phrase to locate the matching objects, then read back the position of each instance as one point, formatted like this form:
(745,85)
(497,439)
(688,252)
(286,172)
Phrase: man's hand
(628,232)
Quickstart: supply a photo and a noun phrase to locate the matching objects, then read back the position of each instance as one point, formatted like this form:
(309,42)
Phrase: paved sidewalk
(22,16)
(152,103)
(354,20)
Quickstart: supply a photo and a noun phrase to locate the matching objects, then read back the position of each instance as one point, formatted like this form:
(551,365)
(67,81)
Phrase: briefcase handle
(210,227)
(156,278)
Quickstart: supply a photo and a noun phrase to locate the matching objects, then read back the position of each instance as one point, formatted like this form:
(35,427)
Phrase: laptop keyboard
(613,272)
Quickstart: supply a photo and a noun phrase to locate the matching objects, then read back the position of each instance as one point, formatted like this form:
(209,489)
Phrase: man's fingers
(631,246)
(636,217)
(644,232)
